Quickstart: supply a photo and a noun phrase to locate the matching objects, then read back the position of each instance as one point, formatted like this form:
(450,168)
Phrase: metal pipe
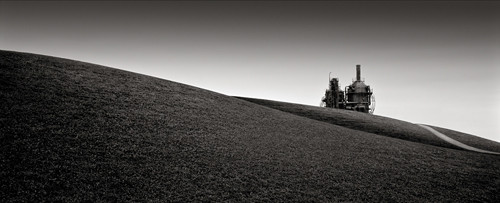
(358,72)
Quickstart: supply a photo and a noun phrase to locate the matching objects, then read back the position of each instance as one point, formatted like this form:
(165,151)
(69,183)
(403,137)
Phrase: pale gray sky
(428,62)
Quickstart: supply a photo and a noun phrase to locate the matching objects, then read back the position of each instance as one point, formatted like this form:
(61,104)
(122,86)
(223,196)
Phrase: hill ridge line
(455,142)
(384,126)
(316,120)
(73,131)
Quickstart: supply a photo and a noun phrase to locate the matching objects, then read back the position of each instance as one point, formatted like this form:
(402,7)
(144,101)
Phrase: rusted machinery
(357,97)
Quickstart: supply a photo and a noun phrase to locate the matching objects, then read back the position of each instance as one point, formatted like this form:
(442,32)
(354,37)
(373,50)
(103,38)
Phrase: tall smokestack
(358,72)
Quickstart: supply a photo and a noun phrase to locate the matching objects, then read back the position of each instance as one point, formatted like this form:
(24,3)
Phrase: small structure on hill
(357,97)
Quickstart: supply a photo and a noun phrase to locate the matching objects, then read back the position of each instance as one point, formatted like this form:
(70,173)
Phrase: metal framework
(357,97)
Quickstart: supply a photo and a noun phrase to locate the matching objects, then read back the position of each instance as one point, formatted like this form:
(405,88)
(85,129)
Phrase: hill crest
(73,131)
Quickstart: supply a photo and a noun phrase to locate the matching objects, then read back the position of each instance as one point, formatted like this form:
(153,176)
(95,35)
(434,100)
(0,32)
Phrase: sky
(430,62)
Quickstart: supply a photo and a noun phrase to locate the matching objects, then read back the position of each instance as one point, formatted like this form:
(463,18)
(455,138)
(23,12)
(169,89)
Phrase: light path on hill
(454,142)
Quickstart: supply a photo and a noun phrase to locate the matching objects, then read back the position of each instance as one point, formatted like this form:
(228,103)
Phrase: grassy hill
(75,131)
(378,125)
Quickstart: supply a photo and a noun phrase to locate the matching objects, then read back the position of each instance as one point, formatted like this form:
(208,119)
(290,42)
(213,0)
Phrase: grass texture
(470,140)
(73,131)
(378,125)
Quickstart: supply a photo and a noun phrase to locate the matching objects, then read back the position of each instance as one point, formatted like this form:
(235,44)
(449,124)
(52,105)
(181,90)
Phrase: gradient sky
(428,62)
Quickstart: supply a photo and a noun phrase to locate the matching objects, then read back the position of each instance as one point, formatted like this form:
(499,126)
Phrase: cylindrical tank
(358,94)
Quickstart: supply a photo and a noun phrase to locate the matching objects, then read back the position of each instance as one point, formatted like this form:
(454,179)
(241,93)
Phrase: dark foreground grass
(73,131)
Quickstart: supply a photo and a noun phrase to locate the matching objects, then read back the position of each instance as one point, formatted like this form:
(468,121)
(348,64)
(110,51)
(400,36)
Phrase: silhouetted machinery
(357,97)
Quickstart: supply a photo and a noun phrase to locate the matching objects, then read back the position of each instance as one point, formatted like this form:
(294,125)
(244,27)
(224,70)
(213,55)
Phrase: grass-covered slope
(378,125)
(359,121)
(75,131)
(470,140)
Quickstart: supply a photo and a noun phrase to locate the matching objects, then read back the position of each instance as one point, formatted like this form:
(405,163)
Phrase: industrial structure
(357,97)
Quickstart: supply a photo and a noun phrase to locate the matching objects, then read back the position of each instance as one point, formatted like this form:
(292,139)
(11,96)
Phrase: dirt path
(454,142)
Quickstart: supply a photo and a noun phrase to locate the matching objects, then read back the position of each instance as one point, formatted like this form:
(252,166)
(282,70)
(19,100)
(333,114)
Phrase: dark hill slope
(75,131)
(378,125)
(471,140)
